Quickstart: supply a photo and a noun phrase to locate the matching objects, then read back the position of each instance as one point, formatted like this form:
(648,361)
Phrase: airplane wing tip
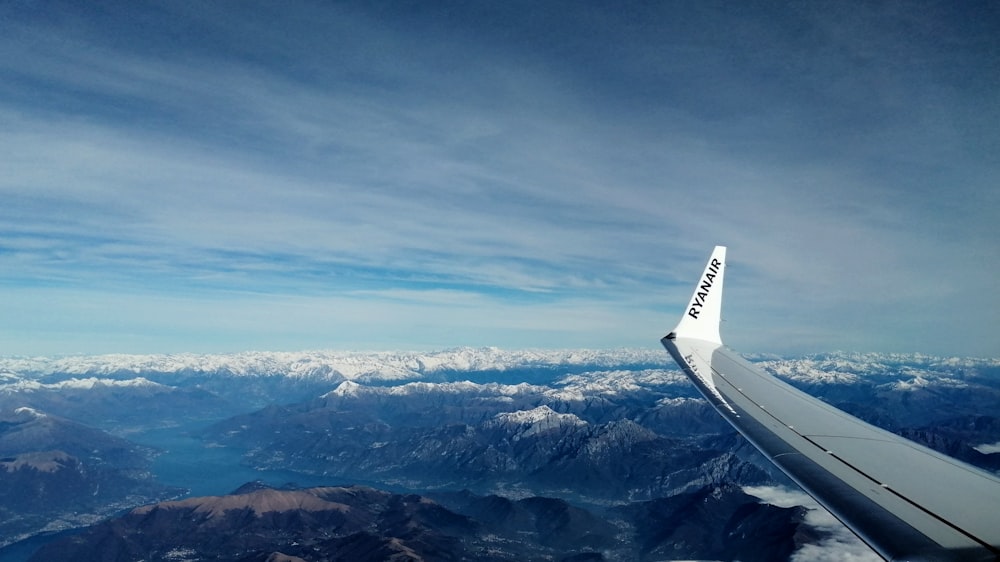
(703,314)
(911,520)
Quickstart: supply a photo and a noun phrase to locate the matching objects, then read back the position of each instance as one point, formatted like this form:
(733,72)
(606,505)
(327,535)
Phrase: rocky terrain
(57,474)
(362,524)
(577,454)
(477,438)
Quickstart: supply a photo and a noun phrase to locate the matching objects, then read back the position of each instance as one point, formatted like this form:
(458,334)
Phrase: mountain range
(620,438)
(366,525)
(59,474)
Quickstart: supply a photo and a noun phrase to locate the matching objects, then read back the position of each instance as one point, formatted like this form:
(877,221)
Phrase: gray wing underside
(906,501)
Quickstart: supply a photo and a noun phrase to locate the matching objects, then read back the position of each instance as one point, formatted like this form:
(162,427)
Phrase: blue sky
(226,176)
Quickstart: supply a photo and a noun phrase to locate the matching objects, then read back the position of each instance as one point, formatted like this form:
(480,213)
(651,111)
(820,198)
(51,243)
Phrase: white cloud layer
(839,543)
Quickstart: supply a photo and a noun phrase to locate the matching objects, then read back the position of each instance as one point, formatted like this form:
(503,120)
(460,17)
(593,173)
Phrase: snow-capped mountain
(408,366)
(15,385)
(591,383)
(330,365)
(540,416)
(610,426)
(851,367)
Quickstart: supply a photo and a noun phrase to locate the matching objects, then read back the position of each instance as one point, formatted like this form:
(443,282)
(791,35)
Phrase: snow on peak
(680,401)
(922,381)
(577,387)
(328,365)
(527,423)
(346,388)
(540,415)
(351,388)
(89,383)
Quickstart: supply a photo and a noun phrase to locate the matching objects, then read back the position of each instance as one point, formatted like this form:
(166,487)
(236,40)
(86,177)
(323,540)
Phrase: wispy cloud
(344,152)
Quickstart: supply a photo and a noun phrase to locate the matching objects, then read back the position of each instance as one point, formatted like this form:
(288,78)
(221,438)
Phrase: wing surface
(906,501)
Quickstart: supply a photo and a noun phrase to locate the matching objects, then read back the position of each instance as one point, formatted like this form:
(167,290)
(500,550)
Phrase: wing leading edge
(906,501)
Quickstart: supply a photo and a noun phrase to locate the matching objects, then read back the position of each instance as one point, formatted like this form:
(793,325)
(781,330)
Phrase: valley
(616,442)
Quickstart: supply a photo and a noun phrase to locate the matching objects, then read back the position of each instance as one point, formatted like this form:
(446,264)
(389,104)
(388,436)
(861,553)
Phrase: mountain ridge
(592,428)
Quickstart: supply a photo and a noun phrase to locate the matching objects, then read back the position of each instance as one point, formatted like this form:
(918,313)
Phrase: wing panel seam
(864,474)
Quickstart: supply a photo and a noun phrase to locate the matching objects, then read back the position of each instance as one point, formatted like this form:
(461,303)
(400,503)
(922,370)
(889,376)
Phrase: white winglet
(874,481)
(704,313)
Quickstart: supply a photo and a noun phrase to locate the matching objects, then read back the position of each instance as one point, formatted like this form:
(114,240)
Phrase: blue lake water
(22,551)
(186,462)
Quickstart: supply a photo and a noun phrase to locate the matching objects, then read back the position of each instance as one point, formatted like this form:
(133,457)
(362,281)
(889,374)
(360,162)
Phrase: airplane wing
(906,501)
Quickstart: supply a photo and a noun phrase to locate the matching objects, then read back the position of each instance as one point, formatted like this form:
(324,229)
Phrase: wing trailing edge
(906,501)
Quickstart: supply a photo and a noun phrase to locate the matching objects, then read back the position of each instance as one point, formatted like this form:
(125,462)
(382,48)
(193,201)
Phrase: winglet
(704,313)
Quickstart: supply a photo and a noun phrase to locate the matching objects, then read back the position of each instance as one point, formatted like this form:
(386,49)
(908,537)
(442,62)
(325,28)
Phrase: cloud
(838,544)
(334,149)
